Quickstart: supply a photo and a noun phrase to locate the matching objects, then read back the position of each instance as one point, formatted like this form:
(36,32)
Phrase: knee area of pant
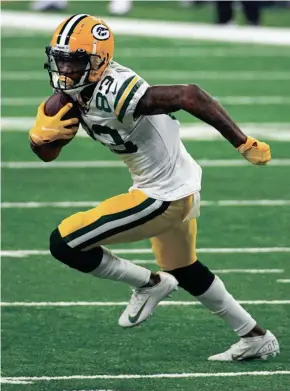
(84,261)
(57,246)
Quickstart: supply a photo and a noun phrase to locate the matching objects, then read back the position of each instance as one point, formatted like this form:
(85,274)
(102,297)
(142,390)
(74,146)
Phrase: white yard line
(253,100)
(123,26)
(196,131)
(246,203)
(123,303)
(160,52)
(149,376)
(265,131)
(120,164)
(166,74)
(65,204)
(68,164)
(217,271)
(12,33)
(224,271)
(11,381)
(226,100)
(89,204)
(284,281)
(227,250)
(22,253)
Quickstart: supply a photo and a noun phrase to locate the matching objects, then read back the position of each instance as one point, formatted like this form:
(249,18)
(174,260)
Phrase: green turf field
(68,327)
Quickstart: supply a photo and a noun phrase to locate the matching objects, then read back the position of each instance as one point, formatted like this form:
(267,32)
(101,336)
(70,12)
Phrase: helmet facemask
(72,71)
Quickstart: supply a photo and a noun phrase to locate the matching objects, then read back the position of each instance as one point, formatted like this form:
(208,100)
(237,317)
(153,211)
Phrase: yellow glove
(47,129)
(256,152)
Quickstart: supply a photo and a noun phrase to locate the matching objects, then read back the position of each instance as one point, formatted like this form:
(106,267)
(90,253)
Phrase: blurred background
(59,322)
(266,13)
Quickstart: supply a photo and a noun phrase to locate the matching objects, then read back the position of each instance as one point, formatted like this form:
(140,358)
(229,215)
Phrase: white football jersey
(150,145)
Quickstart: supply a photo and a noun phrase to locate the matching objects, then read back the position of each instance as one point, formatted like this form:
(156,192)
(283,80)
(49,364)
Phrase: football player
(134,120)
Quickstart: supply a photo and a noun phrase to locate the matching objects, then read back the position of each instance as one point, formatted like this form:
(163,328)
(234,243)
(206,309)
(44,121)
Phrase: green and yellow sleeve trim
(125,95)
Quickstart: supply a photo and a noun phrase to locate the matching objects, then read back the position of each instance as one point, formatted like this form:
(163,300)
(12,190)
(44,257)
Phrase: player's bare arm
(194,100)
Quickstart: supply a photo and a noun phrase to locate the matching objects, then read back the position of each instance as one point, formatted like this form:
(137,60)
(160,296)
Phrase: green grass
(53,341)
(267,230)
(237,384)
(80,287)
(87,340)
(15,147)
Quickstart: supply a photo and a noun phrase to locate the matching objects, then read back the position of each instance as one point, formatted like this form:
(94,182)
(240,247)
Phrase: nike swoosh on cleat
(239,356)
(133,319)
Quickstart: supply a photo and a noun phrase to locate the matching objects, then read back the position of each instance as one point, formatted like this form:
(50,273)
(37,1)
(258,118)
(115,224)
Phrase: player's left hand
(256,152)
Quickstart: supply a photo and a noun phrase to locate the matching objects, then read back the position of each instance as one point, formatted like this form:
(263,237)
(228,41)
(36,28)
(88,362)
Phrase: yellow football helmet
(80,50)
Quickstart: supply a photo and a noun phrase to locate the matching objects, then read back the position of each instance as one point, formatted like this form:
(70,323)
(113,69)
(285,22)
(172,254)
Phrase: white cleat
(250,348)
(144,300)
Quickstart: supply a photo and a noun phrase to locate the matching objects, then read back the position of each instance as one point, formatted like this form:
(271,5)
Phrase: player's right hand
(47,129)
(256,152)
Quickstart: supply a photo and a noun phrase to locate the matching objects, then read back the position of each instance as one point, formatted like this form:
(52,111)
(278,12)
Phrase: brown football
(57,101)
(50,151)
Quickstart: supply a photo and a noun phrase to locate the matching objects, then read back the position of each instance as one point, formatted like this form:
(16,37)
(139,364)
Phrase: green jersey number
(102,103)
(119,145)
